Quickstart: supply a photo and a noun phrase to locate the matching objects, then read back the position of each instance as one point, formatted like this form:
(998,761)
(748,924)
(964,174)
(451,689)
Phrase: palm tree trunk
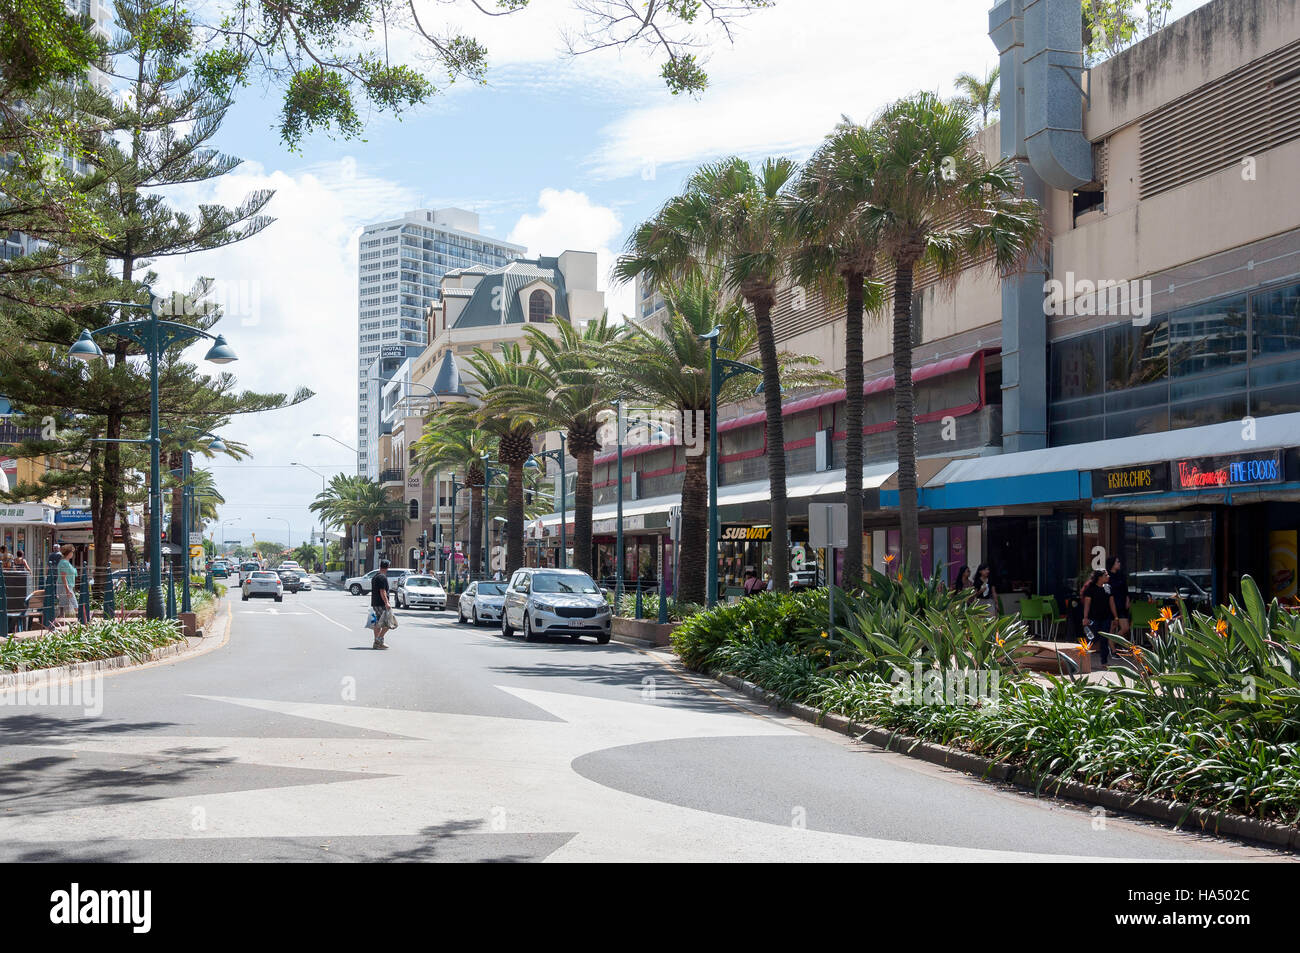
(775,443)
(584,499)
(853,401)
(693,546)
(475,528)
(904,414)
(514,518)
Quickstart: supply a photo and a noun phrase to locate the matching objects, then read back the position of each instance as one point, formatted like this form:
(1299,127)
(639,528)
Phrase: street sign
(196,539)
(196,551)
(828,525)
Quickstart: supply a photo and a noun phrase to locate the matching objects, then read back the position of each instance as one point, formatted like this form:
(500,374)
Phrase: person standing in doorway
(379,605)
(66,585)
(1099,612)
(985,592)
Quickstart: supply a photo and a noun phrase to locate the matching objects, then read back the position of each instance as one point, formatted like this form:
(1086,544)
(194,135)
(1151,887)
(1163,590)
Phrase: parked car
(542,602)
(415,591)
(263,583)
(803,579)
(1168,585)
(481,602)
(360,584)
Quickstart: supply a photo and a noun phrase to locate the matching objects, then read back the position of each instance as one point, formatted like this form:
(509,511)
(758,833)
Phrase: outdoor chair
(1031,611)
(1052,617)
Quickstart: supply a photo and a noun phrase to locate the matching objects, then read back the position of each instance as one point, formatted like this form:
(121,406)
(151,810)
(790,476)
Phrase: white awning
(828,483)
(1270,433)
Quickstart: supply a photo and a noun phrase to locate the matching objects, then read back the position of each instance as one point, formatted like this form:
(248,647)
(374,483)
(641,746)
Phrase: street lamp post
(558,455)
(155,336)
(356,538)
(720,371)
(456,487)
(490,473)
(324,552)
(185,443)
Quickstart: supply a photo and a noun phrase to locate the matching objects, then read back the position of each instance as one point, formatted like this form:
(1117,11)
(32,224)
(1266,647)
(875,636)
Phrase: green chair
(1140,615)
(1031,611)
(1052,617)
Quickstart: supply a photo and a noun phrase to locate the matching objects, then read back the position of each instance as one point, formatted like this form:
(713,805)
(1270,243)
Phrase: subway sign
(1241,470)
(748,533)
(1149,478)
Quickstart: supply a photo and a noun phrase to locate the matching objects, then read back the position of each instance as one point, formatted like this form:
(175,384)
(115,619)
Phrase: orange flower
(1001,642)
(1222,627)
(900,575)
(1137,651)
(1167,614)
(825,636)
(1232,609)
(1083,647)
(889,558)
(1155,626)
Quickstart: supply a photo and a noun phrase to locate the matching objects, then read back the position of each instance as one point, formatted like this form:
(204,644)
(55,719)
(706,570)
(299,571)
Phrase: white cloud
(569,220)
(295,291)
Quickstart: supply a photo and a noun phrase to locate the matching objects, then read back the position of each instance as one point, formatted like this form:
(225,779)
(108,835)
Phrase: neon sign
(1206,472)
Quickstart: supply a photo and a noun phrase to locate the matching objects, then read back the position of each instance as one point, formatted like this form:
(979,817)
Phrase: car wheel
(279,598)
(506,630)
(460,615)
(603,638)
(476,618)
(355,589)
(529,634)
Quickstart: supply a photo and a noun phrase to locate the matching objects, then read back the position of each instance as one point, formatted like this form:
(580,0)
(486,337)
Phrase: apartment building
(401,263)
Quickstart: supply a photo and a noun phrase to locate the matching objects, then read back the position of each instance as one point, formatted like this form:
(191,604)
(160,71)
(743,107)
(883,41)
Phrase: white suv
(359,584)
(542,602)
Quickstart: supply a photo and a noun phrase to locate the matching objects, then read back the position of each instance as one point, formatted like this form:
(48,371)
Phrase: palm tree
(355,501)
(979,95)
(512,424)
(937,201)
(453,443)
(731,217)
(831,204)
(670,368)
(570,393)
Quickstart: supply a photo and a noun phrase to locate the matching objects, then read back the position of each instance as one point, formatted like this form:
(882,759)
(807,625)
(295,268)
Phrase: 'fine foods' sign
(1148,478)
(1244,470)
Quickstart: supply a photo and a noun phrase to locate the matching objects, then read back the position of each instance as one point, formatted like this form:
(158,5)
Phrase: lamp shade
(220,352)
(85,349)
(217,445)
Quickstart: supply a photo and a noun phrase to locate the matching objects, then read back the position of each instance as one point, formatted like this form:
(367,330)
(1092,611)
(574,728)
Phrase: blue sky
(553,153)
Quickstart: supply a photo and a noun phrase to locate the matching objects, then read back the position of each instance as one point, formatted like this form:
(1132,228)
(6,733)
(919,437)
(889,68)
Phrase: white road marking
(503,774)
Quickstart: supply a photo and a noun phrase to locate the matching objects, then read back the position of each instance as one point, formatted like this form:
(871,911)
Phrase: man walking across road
(379,606)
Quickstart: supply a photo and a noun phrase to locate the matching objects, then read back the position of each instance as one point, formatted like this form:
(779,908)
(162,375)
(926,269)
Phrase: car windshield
(491,588)
(569,582)
(420,582)
(263,575)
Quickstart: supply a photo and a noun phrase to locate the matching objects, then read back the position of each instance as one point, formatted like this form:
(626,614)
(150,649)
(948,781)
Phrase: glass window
(1208,337)
(1077,369)
(1136,356)
(1276,327)
(539,307)
(1213,410)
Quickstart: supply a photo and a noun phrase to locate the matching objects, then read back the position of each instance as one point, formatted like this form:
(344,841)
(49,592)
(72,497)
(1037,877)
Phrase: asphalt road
(296,741)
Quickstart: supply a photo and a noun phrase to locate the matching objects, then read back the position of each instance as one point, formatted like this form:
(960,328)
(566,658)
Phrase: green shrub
(677,611)
(85,643)
(772,616)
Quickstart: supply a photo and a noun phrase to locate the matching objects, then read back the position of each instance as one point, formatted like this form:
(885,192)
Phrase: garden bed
(1206,715)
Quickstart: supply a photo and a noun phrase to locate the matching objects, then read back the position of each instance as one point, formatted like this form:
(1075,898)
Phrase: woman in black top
(963,579)
(1099,611)
(379,603)
(985,592)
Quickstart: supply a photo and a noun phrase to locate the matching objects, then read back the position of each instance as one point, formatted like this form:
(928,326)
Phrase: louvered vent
(1101,161)
(1251,109)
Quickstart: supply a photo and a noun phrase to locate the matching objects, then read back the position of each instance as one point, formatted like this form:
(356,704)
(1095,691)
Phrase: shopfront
(28,528)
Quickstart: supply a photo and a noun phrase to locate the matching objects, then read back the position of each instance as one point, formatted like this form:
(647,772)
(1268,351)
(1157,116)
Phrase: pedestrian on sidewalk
(67,583)
(1099,613)
(381,612)
(986,594)
(20,562)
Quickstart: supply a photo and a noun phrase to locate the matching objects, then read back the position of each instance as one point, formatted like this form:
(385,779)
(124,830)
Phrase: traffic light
(379,541)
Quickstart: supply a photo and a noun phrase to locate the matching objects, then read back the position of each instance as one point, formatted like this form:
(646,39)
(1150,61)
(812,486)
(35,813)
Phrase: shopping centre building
(1135,393)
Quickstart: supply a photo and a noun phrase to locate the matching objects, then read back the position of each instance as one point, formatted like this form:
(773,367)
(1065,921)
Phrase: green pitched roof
(479,311)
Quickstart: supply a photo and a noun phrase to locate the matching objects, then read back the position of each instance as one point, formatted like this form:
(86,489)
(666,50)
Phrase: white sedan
(481,602)
(263,583)
(416,591)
